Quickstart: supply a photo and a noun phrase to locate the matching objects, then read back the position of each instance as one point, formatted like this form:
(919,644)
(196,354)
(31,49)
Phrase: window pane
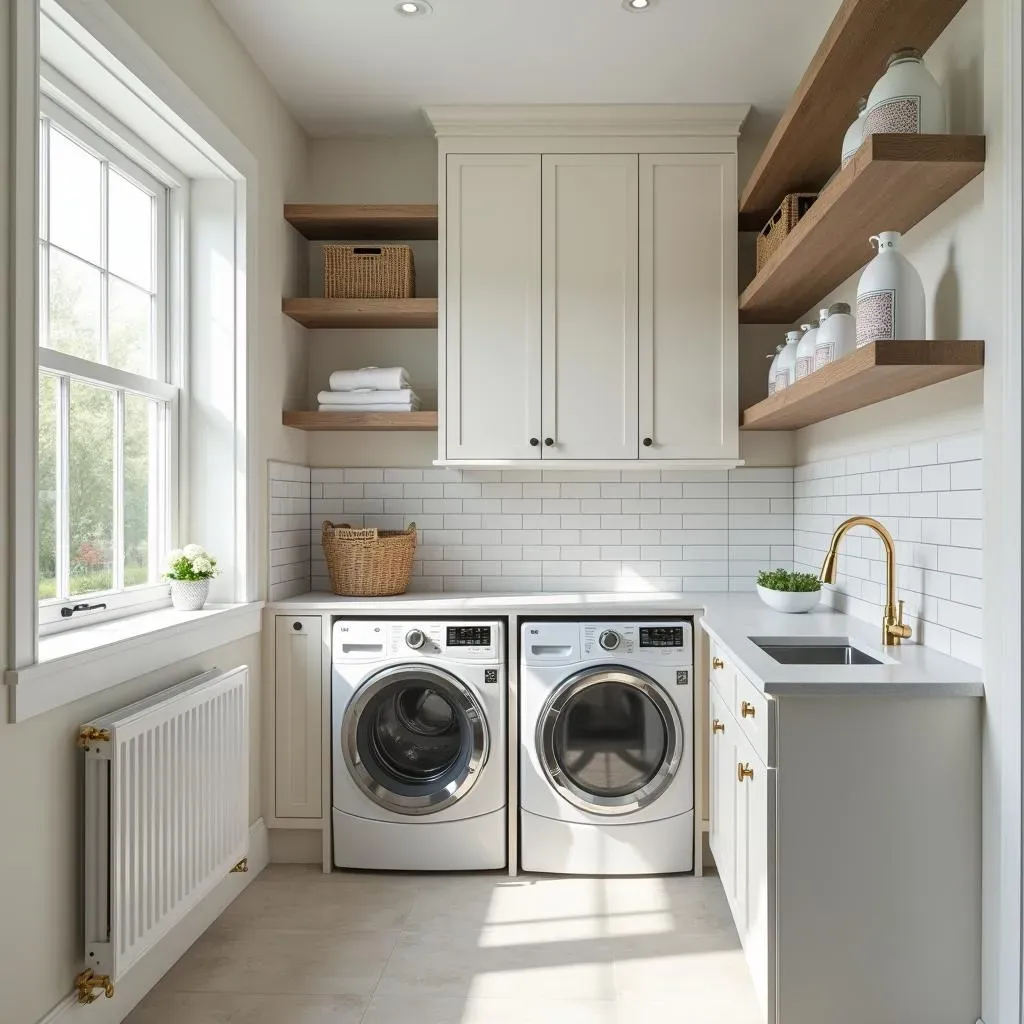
(47,506)
(130,213)
(141,463)
(129,322)
(91,497)
(74,307)
(75,208)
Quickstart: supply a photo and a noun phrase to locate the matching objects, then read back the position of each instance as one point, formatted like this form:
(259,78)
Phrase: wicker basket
(369,272)
(370,562)
(782,222)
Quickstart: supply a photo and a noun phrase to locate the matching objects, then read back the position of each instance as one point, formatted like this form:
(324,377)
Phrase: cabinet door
(298,723)
(689,405)
(752,878)
(590,306)
(722,793)
(492,317)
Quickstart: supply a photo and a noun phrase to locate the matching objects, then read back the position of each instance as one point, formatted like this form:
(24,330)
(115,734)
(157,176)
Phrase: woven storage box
(368,562)
(369,272)
(782,222)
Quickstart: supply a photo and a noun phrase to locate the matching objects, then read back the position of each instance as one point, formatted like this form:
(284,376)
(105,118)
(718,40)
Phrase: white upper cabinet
(689,400)
(588,285)
(492,388)
(589,381)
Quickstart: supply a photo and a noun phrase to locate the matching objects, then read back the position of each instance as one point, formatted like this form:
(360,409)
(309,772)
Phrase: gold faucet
(893,629)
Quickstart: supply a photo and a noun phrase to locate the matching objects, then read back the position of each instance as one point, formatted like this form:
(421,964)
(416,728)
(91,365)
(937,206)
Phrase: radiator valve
(89,985)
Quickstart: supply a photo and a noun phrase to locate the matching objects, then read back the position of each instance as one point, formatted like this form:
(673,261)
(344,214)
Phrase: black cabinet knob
(648,441)
(534,441)
(549,441)
(297,626)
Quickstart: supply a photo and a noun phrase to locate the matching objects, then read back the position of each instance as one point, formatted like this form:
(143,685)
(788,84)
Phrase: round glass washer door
(414,739)
(610,740)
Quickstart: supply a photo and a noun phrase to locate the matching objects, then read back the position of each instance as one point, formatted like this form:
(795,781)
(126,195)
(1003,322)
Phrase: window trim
(167,384)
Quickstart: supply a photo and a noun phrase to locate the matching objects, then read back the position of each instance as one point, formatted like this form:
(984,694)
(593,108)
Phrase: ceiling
(355,67)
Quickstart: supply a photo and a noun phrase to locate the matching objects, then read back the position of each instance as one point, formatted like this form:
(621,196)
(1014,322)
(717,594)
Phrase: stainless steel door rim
(377,780)
(559,703)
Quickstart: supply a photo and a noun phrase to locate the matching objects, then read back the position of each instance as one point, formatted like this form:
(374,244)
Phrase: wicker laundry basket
(782,222)
(369,272)
(368,562)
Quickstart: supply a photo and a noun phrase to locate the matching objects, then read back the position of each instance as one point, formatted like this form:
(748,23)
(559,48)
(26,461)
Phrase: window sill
(84,661)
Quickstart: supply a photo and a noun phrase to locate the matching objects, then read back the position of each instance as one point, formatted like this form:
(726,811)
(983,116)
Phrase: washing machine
(419,722)
(606,747)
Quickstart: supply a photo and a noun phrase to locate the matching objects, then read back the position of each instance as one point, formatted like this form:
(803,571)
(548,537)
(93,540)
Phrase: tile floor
(301,947)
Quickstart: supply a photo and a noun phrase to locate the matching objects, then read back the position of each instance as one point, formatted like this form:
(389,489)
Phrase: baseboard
(136,984)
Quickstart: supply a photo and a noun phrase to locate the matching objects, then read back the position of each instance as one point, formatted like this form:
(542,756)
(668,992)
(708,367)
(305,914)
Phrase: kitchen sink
(793,650)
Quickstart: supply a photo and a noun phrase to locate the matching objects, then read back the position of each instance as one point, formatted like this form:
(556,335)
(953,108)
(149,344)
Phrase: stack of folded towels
(371,389)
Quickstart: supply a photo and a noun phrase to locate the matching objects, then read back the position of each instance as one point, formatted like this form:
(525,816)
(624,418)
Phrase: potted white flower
(190,570)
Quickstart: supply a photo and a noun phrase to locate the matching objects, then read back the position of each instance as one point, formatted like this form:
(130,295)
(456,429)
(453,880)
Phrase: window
(107,403)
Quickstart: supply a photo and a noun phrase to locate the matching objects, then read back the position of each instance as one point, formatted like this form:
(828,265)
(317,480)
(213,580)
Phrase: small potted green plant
(189,570)
(787,591)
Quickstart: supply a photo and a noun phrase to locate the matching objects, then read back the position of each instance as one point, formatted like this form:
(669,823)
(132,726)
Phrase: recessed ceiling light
(638,5)
(411,8)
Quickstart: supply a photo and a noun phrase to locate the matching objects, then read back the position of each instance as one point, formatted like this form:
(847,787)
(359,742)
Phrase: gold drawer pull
(744,771)
(747,710)
(717,663)
(717,726)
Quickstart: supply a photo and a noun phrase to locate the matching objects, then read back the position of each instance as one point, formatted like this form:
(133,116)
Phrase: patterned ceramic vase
(837,336)
(189,595)
(906,100)
(785,369)
(890,296)
(855,133)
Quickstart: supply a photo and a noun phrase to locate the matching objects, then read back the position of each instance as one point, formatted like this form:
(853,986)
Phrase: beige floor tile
(454,1010)
(278,962)
(166,1007)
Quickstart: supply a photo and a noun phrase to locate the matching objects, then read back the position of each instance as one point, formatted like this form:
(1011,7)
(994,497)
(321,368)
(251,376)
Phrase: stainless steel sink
(793,650)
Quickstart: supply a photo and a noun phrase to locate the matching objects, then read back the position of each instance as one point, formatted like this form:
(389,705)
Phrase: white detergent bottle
(774,357)
(785,371)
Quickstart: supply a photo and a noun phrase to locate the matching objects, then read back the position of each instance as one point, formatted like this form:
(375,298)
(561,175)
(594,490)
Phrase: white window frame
(165,386)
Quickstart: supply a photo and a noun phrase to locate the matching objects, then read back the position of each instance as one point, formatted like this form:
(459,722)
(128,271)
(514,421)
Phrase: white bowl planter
(189,595)
(792,601)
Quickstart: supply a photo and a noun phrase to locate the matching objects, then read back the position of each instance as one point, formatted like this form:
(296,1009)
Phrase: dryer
(419,723)
(606,748)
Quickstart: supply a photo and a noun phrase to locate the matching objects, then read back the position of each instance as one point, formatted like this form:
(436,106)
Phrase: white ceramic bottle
(890,295)
(805,349)
(855,133)
(837,336)
(785,369)
(774,357)
(906,99)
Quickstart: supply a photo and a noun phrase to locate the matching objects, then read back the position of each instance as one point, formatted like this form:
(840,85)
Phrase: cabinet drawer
(722,675)
(752,708)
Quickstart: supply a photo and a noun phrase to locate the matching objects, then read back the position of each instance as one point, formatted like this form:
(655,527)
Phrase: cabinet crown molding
(621,120)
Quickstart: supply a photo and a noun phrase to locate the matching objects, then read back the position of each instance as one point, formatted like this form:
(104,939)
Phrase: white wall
(40,934)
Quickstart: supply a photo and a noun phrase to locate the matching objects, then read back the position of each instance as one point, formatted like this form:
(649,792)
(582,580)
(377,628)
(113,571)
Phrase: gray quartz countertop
(732,619)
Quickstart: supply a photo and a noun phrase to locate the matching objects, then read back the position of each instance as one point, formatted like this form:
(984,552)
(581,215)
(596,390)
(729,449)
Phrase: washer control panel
(565,642)
(662,636)
(359,640)
(609,639)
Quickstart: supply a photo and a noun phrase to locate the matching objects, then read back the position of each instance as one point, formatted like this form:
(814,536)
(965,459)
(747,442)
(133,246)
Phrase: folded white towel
(383,407)
(367,397)
(379,378)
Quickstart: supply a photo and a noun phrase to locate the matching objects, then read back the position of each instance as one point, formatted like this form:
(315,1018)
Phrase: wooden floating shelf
(361,420)
(872,374)
(330,222)
(805,147)
(893,182)
(366,313)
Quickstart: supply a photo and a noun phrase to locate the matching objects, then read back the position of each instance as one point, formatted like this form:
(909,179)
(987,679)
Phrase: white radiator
(166,812)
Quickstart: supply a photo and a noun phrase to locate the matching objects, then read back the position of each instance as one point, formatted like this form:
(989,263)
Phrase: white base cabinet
(847,834)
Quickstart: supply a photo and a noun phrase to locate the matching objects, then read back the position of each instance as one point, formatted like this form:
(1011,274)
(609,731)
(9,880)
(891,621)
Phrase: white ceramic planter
(792,602)
(837,336)
(855,133)
(890,295)
(189,595)
(906,100)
